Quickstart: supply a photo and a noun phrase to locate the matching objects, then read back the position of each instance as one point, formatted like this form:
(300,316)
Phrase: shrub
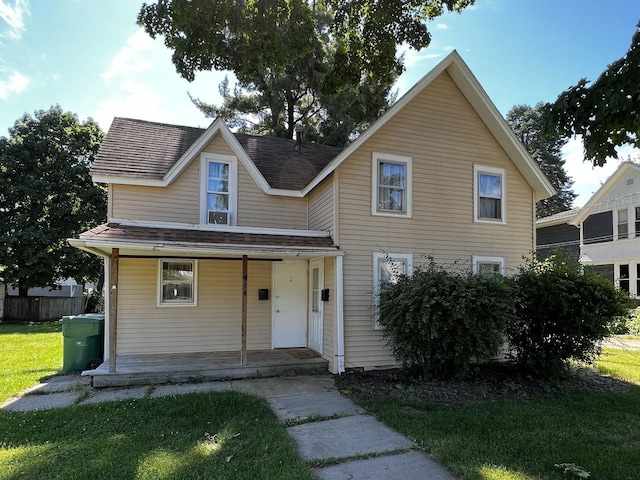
(436,322)
(561,313)
(94,302)
(628,325)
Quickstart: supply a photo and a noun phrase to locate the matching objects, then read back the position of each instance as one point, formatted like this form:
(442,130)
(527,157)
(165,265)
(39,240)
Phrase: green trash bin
(83,337)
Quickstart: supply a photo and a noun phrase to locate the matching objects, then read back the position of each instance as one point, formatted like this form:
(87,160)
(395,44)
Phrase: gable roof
(483,106)
(272,162)
(151,153)
(606,187)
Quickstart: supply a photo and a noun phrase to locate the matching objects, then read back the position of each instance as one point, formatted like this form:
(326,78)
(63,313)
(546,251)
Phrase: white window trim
(478,259)
(630,225)
(408,259)
(193,303)
(232,161)
(378,157)
(477,169)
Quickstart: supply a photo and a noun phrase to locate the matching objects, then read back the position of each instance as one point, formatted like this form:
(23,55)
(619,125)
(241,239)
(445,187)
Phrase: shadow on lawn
(215,435)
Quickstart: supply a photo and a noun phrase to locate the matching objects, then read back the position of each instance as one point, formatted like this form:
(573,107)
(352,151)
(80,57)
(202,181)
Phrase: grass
(196,436)
(30,351)
(511,437)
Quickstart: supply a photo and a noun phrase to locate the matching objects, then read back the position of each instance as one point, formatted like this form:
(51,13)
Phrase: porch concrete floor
(206,366)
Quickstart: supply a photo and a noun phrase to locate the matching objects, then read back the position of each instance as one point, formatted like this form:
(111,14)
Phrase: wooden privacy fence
(41,308)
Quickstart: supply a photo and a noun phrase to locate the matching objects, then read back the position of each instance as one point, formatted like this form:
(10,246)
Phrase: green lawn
(509,437)
(197,436)
(29,352)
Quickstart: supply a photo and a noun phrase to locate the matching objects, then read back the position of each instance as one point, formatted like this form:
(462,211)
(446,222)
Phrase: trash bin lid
(86,318)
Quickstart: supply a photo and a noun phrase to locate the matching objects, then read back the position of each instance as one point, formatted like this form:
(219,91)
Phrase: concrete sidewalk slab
(180,389)
(284,386)
(61,384)
(28,403)
(346,437)
(115,395)
(413,464)
(322,404)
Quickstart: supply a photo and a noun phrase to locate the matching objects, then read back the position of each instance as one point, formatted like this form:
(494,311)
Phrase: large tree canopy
(47,196)
(607,112)
(329,65)
(528,125)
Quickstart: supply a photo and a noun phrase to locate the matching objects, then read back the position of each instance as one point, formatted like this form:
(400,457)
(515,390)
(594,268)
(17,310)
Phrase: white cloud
(134,57)
(587,178)
(13,16)
(442,26)
(16,83)
(136,100)
(412,56)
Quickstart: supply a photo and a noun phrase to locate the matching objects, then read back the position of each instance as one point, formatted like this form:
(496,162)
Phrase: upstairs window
(489,194)
(219,175)
(391,181)
(623,223)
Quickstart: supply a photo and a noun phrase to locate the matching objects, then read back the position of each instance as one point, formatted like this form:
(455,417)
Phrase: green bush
(436,322)
(94,302)
(561,313)
(629,325)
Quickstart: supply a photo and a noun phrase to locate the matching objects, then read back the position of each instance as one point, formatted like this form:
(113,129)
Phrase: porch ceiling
(134,240)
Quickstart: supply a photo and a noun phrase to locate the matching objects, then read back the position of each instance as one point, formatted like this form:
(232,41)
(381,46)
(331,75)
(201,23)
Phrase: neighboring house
(66,288)
(555,231)
(609,226)
(220,242)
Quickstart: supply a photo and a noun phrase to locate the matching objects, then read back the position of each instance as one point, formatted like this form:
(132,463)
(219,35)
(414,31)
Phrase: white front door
(289,304)
(316,284)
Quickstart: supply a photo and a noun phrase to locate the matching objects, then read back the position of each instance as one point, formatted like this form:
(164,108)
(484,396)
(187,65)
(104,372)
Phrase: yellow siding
(180,201)
(213,325)
(445,137)
(328,318)
(321,204)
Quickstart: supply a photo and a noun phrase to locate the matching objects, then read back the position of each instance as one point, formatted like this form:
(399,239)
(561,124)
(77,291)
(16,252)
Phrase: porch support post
(243,353)
(114,265)
(339,335)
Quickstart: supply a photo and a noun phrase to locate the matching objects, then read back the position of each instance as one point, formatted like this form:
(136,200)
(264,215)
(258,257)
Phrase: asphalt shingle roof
(132,233)
(148,150)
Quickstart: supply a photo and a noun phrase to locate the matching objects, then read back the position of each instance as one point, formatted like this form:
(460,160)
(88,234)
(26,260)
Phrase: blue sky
(90,57)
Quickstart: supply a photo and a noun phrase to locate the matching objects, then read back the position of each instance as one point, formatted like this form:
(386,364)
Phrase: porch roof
(154,241)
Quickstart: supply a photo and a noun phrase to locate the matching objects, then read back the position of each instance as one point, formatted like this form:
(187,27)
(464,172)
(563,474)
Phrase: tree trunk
(23,291)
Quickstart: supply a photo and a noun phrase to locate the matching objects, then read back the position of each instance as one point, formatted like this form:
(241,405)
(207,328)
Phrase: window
(489,194)
(623,223)
(623,280)
(219,175)
(177,284)
(391,183)
(637,226)
(638,280)
(387,268)
(489,265)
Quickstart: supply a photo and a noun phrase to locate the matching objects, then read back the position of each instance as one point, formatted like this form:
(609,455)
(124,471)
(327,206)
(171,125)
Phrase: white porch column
(339,335)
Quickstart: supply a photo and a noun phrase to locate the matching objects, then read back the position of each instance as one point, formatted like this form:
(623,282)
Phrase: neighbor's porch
(201,367)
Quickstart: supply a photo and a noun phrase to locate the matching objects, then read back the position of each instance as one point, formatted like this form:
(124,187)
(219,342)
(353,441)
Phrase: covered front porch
(209,366)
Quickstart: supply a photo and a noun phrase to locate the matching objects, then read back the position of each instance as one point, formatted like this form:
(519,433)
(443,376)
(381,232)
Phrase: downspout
(339,315)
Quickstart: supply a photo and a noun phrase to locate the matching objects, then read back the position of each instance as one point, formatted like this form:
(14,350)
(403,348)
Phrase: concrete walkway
(332,433)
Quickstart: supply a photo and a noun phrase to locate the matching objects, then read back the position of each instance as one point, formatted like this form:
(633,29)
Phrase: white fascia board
(597,197)
(550,222)
(117,179)
(222,228)
(497,125)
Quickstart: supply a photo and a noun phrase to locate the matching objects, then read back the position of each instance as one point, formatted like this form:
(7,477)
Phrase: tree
(47,196)
(607,113)
(528,125)
(329,65)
